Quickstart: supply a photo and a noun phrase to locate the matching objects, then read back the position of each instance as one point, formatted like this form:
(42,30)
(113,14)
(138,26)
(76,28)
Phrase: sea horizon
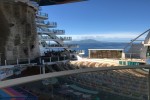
(94,44)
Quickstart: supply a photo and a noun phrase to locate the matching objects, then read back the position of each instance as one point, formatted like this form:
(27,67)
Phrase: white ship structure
(50,38)
(117,72)
(52,45)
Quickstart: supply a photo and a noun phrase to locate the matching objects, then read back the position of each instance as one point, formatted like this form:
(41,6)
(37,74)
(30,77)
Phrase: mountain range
(93,41)
(86,41)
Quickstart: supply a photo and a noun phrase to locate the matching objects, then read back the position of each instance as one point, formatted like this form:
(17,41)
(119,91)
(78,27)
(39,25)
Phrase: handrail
(17,81)
(42,14)
(47,23)
(80,51)
(34,61)
(136,38)
(64,45)
(62,38)
(53,31)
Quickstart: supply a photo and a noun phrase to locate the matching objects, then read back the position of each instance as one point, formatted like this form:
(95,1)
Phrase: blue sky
(103,20)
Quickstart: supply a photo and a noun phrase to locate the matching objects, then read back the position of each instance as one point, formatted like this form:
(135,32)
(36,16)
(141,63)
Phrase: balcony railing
(19,61)
(42,15)
(54,59)
(64,45)
(65,38)
(34,61)
(57,32)
(80,52)
(55,38)
(46,24)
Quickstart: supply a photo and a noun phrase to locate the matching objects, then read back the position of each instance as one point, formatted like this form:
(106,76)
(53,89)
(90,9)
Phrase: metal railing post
(58,58)
(40,69)
(17,61)
(5,62)
(29,61)
(43,69)
(43,62)
(148,85)
(0,58)
(43,66)
(64,57)
(130,55)
(40,61)
(50,59)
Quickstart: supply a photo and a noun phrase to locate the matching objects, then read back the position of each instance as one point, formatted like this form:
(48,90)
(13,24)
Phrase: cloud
(117,36)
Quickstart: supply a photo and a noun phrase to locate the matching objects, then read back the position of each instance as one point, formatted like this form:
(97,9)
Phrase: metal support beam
(136,38)
(149,85)
(43,69)
(40,70)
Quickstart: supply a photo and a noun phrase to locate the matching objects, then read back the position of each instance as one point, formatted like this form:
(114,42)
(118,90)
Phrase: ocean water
(98,45)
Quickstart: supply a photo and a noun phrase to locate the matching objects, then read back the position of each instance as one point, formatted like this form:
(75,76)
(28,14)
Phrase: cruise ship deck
(44,57)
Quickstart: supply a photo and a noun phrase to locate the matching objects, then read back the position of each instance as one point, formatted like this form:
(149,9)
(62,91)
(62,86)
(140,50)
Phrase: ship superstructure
(50,38)
(139,47)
